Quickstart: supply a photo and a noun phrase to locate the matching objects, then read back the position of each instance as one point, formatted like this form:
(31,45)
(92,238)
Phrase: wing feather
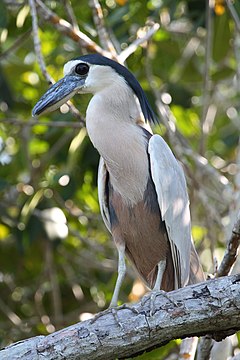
(170,184)
(102,193)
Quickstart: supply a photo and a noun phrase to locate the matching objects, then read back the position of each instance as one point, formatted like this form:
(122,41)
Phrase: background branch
(149,32)
(66,28)
(37,44)
(230,256)
(231,252)
(33,122)
(103,34)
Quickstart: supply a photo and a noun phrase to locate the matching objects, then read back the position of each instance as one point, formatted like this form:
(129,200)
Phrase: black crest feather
(98,59)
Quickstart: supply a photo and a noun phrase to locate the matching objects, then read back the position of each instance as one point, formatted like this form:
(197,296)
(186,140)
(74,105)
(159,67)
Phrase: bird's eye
(82,69)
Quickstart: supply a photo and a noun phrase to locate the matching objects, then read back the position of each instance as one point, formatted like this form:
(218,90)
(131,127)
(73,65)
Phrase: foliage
(57,260)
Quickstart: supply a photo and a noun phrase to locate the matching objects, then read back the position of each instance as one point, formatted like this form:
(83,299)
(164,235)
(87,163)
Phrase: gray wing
(102,194)
(170,184)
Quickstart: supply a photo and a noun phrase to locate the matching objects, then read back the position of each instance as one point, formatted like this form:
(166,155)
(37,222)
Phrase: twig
(134,45)
(101,28)
(12,316)
(234,14)
(236,46)
(188,348)
(25,139)
(57,124)
(14,4)
(206,81)
(74,111)
(205,347)
(56,147)
(206,343)
(17,43)
(230,255)
(66,28)
(55,288)
(71,15)
(188,52)
(37,44)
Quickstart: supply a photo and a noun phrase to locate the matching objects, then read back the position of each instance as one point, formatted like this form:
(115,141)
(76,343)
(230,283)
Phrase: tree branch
(37,43)
(234,14)
(70,14)
(66,28)
(231,251)
(207,77)
(150,31)
(206,343)
(18,42)
(103,34)
(211,307)
(34,122)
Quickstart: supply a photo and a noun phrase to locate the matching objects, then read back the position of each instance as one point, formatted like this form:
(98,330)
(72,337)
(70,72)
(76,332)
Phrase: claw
(114,311)
(124,306)
(153,296)
(116,318)
(97,316)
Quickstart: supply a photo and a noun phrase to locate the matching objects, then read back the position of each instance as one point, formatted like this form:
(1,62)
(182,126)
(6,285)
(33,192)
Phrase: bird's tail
(196,274)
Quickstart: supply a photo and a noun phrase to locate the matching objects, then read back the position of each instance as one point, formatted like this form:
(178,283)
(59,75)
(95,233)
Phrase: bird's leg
(120,277)
(157,287)
(161,268)
(121,274)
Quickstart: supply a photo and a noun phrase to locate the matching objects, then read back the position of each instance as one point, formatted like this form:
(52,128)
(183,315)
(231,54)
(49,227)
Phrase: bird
(142,188)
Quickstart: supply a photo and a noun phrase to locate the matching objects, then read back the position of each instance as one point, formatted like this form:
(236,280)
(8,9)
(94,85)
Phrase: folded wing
(170,185)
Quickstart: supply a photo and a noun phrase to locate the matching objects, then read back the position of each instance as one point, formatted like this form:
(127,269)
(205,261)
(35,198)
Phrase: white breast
(111,125)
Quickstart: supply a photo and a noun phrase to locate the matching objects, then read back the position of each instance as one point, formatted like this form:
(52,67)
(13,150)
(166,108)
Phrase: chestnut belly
(143,233)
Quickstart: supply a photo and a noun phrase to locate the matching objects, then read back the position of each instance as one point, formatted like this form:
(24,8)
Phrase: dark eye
(82,69)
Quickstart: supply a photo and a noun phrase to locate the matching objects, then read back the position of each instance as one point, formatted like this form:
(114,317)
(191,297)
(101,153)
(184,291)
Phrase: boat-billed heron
(142,189)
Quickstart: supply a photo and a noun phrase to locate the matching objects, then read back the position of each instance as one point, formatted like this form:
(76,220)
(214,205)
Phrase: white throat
(111,122)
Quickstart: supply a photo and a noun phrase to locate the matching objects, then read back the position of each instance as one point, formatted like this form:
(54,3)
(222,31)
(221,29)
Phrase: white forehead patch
(70,65)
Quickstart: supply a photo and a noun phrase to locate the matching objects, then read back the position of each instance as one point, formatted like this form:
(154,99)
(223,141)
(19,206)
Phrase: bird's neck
(112,124)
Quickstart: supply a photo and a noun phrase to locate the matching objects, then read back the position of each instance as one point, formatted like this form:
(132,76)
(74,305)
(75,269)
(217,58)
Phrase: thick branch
(207,308)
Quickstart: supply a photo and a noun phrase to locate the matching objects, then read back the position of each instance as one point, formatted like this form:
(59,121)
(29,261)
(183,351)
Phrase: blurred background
(57,261)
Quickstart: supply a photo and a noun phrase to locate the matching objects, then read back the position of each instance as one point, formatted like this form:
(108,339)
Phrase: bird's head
(91,74)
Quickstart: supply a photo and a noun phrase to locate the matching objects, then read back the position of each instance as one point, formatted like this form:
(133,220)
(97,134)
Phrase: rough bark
(212,307)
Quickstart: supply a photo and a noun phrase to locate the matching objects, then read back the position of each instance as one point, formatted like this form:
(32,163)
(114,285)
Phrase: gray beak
(58,94)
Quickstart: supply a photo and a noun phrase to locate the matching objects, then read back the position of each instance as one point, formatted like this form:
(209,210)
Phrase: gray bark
(212,307)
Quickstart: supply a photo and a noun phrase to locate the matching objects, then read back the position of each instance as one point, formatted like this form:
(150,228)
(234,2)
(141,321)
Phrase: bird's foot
(154,294)
(113,305)
(97,316)
(116,317)
(114,310)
